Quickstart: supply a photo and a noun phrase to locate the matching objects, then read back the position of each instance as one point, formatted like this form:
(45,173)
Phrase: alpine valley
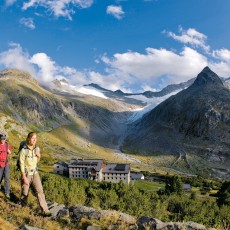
(184,128)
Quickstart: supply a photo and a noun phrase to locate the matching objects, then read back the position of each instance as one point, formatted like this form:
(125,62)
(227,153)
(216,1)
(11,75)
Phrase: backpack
(21,146)
(3,161)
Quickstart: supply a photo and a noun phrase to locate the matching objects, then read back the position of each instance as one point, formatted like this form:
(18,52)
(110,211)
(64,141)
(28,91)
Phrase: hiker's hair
(29,136)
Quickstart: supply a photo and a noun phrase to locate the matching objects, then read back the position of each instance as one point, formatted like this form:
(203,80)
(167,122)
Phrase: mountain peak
(58,82)
(119,92)
(96,86)
(20,74)
(207,77)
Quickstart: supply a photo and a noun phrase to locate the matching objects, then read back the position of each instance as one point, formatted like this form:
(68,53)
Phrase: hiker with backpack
(29,156)
(5,150)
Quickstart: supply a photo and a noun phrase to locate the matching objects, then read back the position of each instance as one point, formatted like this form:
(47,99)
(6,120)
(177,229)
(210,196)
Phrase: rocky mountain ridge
(23,75)
(195,121)
(149,94)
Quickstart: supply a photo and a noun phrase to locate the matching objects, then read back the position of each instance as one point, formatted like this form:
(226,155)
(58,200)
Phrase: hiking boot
(47,214)
(7,196)
(23,203)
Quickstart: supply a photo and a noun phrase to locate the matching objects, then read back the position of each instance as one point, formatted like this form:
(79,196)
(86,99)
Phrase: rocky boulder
(92,219)
(154,224)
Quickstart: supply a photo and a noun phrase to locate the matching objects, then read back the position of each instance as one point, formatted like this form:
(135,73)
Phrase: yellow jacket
(28,160)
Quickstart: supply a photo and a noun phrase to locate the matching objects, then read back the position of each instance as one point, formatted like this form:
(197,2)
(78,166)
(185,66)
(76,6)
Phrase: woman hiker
(5,150)
(28,159)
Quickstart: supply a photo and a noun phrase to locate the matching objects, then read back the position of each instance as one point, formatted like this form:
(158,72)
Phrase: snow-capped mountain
(146,101)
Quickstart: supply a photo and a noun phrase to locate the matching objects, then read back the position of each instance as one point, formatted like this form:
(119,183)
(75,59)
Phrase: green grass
(149,185)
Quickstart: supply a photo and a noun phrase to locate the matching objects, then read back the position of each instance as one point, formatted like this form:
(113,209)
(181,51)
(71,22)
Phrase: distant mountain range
(184,125)
(149,94)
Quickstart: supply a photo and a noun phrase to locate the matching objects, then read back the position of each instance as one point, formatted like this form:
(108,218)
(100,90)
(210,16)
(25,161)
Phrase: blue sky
(133,45)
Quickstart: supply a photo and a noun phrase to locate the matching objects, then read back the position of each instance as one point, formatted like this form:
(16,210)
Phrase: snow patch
(65,87)
(93,92)
(151,104)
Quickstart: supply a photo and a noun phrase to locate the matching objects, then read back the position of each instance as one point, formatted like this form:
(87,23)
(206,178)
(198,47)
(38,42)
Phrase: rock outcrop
(109,219)
(155,224)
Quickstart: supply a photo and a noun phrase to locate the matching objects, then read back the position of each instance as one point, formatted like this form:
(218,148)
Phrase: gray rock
(93,228)
(146,222)
(63,212)
(127,218)
(55,209)
(192,225)
(27,227)
(115,219)
(79,211)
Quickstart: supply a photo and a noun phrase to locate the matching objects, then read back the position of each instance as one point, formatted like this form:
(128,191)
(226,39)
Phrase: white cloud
(40,65)
(129,71)
(146,87)
(9,2)
(156,68)
(116,11)
(222,65)
(190,36)
(156,63)
(60,8)
(15,57)
(27,22)
(222,54)
(47,68)
(221,68)
(109,81)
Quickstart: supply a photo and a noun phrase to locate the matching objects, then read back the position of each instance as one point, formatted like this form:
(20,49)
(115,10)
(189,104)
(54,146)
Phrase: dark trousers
(5,173)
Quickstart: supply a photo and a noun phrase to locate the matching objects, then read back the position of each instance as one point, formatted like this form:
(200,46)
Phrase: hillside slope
(92,125)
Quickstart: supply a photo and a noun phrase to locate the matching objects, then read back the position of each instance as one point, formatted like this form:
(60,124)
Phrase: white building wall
(82,172)
(117,177)
(58,169)
(99,175)
(128,178)
(71,174)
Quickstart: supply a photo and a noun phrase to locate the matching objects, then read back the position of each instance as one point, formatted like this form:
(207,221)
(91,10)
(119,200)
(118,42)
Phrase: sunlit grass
(4,224)
(149,185)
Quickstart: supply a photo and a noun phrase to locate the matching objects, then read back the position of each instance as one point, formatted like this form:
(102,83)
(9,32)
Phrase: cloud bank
(60,8)
(130,71)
